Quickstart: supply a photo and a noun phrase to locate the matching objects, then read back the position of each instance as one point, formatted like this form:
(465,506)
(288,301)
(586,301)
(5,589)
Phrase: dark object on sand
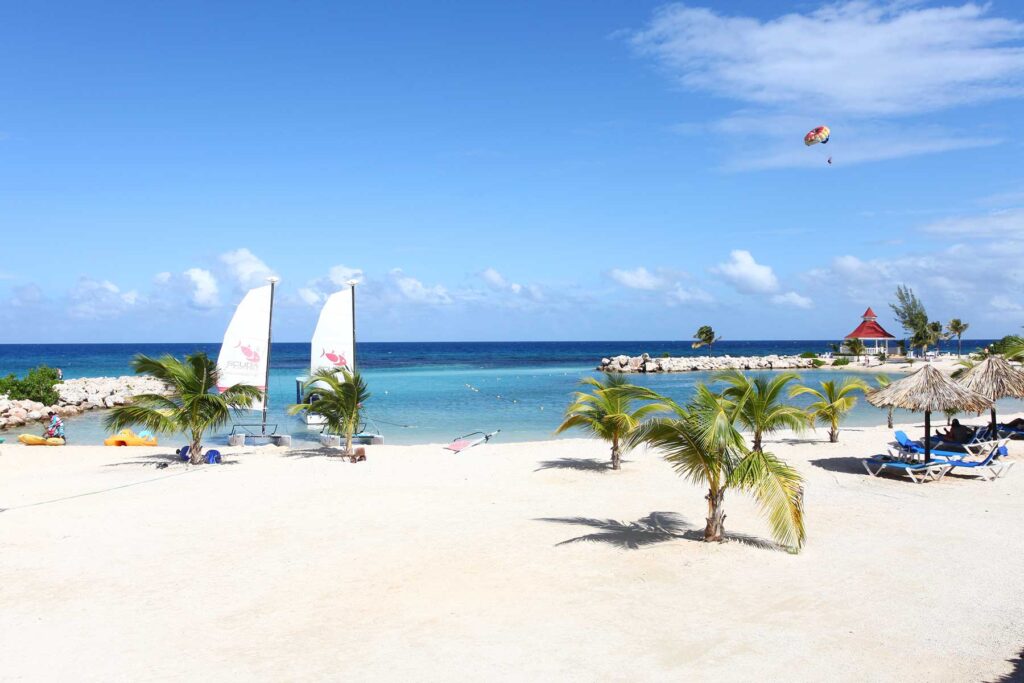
(358,455)
(161,465)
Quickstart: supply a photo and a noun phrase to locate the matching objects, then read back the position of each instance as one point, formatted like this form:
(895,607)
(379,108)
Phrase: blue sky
(531,170)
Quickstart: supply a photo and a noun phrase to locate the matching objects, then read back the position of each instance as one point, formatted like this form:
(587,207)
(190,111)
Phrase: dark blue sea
(429,392)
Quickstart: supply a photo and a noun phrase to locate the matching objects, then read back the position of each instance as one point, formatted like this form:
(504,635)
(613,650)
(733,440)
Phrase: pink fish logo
(251,354)
(336,359)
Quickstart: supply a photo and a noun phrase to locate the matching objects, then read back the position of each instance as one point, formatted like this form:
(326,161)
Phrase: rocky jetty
(647,364)
(77,396)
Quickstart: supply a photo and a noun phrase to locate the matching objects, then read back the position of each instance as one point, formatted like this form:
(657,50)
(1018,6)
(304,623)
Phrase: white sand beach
(420,564)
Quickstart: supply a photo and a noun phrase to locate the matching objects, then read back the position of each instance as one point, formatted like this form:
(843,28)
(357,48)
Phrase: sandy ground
(508,562)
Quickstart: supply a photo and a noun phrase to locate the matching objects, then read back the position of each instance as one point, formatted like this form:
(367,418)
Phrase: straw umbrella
(996,378)
(928,390)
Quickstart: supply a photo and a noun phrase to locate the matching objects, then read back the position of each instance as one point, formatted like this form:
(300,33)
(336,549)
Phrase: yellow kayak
(127,437)
(33,440)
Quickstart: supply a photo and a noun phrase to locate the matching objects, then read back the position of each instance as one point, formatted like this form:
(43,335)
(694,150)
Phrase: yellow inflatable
(127,437)
(33,440)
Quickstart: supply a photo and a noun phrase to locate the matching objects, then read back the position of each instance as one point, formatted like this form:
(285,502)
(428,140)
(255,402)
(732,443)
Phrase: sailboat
(334,347)
(244,356)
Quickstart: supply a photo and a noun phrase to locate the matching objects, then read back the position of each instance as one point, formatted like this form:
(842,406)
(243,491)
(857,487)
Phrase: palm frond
(778,489)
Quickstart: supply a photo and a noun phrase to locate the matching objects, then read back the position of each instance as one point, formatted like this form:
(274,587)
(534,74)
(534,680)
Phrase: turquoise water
(430,393)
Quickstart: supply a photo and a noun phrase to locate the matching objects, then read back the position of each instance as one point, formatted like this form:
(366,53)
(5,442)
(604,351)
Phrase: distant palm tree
(956,328)
(834,401)
(701,442)
(607,412)
(759,406)
(338,397)
(883,381)
(705,336)
(856,347)
(192,404)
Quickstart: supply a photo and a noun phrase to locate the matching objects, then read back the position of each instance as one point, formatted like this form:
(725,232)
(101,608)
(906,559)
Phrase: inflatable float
(127,437)
(34,440)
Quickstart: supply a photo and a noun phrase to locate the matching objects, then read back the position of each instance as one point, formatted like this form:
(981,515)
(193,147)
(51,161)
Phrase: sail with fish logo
(333,345)
(244,353)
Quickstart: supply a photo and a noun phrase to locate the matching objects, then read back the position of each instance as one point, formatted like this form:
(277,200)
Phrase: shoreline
(543,543)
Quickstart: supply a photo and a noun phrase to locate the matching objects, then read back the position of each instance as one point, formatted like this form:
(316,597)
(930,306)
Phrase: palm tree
(834,401)
(702,443)
(705,336)
(192,404)
(883,381)
(956,328)
(855,347)
(760,409)
(607,411)
(336,396)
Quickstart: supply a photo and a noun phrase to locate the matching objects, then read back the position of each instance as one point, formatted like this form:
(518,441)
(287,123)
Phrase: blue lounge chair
(919,472)
(909,448)
(991,468)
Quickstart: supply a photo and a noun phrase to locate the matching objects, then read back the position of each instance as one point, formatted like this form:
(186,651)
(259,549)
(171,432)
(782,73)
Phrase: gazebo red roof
(869,328)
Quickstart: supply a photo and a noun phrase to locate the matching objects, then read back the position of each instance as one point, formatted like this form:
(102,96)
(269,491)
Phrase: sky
(534,170)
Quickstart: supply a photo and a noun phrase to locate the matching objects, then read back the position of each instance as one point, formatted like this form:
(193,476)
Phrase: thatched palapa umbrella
(996,378)
(928,390)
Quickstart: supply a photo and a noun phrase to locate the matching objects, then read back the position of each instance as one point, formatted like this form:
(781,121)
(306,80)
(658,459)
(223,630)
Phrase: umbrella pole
(995,426)
(927,436)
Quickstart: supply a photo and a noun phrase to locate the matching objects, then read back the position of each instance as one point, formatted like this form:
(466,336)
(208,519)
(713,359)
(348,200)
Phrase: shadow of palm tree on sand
(582,464)
(657,527)
(1016,675)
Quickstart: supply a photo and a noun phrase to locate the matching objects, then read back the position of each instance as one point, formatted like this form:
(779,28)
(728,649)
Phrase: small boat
(469,440)
(244,356)
(33,440)
(127,437)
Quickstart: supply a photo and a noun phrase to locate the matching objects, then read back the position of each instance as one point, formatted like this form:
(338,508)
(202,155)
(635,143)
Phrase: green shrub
(808,354)
(1004,344)
(838,362)
(36,385)
(817,362)
(666,354)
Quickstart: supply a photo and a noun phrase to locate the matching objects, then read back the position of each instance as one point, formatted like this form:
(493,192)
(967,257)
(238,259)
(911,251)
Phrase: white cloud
(853,65)
(494,279)
(92,299)
(1009,222)
(747,275)
(341,275)
(638,278)
(163,278)
(792,299)
(688,295)
(415,291)
(205,291)
(859,57)
(246,268)
(497,282)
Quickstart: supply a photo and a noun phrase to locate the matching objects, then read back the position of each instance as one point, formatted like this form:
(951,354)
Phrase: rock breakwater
(647,364)
(78,396)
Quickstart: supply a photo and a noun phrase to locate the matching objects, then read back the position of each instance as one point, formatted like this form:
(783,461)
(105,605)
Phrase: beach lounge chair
(1010,432)
(919,472)
(908,449)
(991,468)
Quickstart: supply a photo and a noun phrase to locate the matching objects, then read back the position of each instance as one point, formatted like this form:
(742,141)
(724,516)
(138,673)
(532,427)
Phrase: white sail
(333,343)
(243,353)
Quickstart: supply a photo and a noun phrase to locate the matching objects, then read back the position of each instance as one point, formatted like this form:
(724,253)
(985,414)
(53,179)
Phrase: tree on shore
(956,328)
(338,397)
(192,405)
(705,336)
(883,381)
(834,401)
(607,412)
(911,314)
(701,442)
(758,405)
(856,348)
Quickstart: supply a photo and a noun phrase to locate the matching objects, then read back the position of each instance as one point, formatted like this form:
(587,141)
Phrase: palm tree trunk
(757,442)
(195,451)
(833,433)
(616,456)
(715,529)
(958,346)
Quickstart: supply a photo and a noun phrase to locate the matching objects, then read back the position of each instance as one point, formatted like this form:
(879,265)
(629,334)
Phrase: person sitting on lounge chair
(957,433)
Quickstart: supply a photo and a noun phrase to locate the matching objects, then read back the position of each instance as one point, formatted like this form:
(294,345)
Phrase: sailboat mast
(352,284)
(270,334)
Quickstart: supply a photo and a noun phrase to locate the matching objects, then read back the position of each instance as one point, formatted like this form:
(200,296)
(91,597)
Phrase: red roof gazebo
(870,329)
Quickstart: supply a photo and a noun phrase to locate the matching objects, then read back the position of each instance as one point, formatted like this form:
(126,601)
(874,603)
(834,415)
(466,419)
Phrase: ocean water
(434,392)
